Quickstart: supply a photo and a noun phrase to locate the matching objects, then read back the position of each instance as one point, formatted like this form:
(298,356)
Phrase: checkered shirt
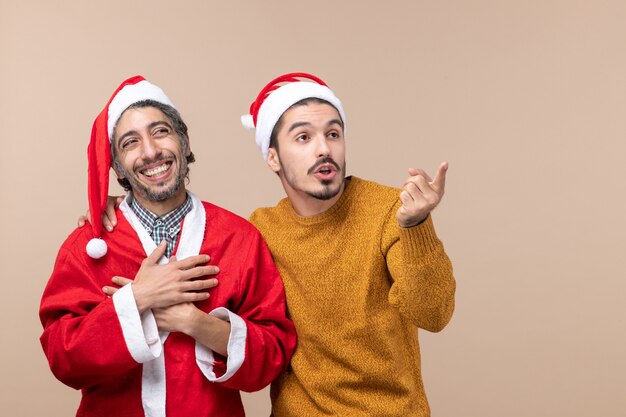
(164,227)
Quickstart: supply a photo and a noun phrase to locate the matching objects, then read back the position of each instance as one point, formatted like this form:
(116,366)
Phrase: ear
(273,161)
(188,148)
(119,175)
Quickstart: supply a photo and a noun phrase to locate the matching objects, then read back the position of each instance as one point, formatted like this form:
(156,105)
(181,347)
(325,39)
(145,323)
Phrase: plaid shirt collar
(162,227)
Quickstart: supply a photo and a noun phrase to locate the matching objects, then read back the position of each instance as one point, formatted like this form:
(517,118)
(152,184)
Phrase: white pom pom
(247,121)
(96,248)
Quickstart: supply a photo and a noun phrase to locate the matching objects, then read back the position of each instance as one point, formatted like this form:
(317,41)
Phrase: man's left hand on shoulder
(420,195)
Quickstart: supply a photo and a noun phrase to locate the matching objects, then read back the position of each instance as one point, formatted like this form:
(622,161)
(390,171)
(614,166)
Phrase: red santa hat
(280,94)
(131,91)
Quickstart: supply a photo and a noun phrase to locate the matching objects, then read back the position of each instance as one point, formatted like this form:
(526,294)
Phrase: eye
(301,138)
(161,131)
(334,135)
(128,142)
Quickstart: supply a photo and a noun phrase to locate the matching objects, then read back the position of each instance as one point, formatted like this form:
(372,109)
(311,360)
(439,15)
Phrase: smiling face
(151,156)
(310,156)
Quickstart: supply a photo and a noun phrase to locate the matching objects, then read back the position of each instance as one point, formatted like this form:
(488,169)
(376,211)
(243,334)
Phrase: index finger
(158,253)
(121,281)
(192,261)
(418,171)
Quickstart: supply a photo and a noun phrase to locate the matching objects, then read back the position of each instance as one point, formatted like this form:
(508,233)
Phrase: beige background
(525,99)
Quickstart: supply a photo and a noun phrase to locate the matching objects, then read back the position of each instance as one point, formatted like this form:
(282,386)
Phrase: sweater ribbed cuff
(420,240)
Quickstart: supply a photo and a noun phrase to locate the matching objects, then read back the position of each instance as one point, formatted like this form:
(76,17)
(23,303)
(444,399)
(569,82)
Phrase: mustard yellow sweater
(357,286)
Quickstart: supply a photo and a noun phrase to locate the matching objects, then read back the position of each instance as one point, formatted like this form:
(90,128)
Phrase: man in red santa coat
(163,344)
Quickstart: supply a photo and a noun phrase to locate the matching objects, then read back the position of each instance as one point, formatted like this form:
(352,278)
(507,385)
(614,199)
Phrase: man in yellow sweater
(361,262)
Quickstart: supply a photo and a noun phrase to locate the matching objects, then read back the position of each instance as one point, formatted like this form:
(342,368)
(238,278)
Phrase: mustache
(145,163)
(322,161)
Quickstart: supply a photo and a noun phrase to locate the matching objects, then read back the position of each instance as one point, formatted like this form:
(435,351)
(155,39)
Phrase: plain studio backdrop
(525,99)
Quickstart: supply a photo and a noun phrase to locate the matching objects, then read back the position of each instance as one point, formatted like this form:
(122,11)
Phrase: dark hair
(279,123)
(177,123)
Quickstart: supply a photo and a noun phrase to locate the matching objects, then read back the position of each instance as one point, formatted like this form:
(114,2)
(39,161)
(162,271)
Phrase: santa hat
(280,94)
(131,91)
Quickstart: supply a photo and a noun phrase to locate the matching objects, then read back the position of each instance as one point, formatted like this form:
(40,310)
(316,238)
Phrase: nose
(322,149)
(151,150)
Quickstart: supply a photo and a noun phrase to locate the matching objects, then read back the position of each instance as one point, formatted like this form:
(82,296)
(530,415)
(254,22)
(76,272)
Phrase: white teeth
(156,171)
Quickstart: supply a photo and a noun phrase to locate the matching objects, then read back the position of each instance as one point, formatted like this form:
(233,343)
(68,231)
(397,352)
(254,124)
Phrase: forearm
(425,294)
(209,331)
(85,350)
(262,338)
(424,286)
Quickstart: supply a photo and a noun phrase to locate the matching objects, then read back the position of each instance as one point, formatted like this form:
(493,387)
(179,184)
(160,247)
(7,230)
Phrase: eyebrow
(299,124)
(150,126)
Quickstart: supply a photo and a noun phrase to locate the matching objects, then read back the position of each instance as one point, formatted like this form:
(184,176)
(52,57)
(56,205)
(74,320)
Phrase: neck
(160,208)
(305,205)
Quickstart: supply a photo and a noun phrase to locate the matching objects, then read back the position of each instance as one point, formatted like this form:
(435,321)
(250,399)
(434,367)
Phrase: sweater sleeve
(423,286)
(82,338)
(270,336)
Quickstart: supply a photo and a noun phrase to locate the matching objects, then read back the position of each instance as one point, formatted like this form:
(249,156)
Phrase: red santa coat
(120,361)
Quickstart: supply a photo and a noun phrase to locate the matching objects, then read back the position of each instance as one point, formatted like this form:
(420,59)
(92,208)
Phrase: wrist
(141,299)
(412,223)
(196,321)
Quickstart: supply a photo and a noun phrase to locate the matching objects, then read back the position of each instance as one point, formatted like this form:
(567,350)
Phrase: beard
(328,191)
(159,194)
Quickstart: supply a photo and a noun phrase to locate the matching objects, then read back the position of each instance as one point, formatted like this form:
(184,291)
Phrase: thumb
(440,177)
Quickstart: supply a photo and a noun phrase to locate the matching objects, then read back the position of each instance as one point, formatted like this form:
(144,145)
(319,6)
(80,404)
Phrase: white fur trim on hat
(131,94)
(284,97)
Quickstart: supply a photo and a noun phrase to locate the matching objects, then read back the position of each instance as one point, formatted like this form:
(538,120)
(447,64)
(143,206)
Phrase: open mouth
(324,166)
(156,171)
(325,170)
